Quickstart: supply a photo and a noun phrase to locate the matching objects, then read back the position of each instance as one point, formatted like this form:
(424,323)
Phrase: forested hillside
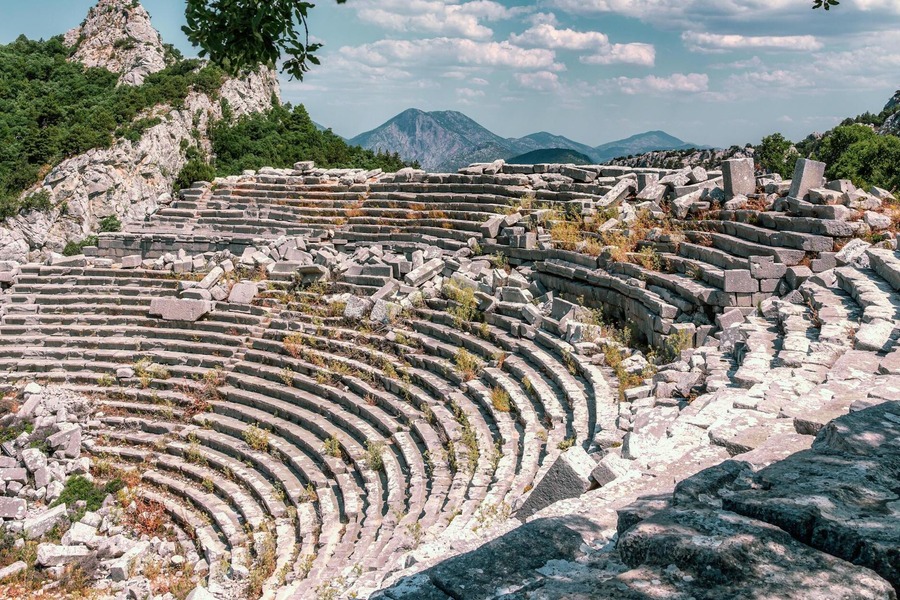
(52,109)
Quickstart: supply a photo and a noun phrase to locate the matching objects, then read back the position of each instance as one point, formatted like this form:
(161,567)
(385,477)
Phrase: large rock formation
(128,179)
(117,35)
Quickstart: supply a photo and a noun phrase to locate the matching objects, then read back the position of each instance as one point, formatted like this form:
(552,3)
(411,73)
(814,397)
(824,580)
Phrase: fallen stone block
(357,307)
(420,275)
(67,439)
(12,570)
(610,468)
(739,177)
(40,524)
(51,555)
(569,477)
(12,508)
(132,262)
(243,293)
(808,174)
(385,312)
(177,309)
(16,474)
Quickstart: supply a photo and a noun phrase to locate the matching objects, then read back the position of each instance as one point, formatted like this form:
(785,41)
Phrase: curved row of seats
(348,447)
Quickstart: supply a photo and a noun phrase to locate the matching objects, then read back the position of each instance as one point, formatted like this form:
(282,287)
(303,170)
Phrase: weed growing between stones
(467,364)
(257,438)
(500,399)
(375,455)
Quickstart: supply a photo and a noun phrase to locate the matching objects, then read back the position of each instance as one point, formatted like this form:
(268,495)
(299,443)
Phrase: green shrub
(196,169)
(774,155)
(285,135)
(79,487)
(76,248)
(110,224)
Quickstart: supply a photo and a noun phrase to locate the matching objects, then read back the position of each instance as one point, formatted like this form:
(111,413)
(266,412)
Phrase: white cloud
(451,51)
(542,81)
(597,43)
(630,54)
(651,10)
(548,36)
(691,83)
(714,42)
(436,17)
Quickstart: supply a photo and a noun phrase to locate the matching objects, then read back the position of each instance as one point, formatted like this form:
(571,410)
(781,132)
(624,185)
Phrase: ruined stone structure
(345,383)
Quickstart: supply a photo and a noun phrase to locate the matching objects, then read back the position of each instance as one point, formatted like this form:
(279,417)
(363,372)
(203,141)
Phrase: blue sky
(716,72)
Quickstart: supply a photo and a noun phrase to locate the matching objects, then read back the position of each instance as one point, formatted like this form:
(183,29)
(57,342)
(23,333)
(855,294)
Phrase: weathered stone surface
(726,555)
(175,309)
(569,476)
(12,508)
(243,293)
(52,555)
(739,177)
(808,174)
(12,570)
(40,524)
(357,307)
(479,574)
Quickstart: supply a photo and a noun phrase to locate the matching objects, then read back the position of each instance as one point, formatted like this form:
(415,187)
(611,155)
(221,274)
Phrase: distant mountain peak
(117,35)
(446,140)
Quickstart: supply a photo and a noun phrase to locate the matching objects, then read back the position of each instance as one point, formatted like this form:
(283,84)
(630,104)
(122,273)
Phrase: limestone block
(491,227)
(34,459)
(12,570)
(611,467)
(739,177)
(132,262)
(569,477)
(212,278)
(765,267)
(176,309)
(14,474)
(797,275)
(12,508)
(243,293)
(79,534)
(739,281)
(40,524)
(877,221)
(357,307)
(808,174)
(385,312)
(67,439)
(420,275)
(51,555)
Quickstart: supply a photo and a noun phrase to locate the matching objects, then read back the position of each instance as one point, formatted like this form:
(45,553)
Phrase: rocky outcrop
(819,523)
(117,35)
(893,102)
(128,180)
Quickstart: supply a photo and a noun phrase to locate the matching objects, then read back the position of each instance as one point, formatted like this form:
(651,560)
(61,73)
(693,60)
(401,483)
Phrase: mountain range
(448,140)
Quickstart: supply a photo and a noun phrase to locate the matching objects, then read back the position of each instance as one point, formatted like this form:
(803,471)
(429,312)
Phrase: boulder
(177,309)
(739,177)
(243,293)
(39,525)
(808,174)
(569,477)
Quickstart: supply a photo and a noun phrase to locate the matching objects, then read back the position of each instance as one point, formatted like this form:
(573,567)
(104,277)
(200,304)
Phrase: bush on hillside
(283,136)
(52,109)
(775,155)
